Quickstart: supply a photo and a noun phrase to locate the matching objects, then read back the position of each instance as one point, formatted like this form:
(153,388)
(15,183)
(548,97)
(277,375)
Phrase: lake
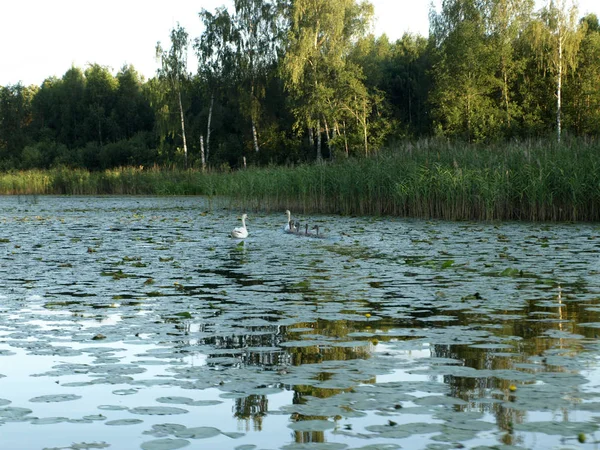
(138,322)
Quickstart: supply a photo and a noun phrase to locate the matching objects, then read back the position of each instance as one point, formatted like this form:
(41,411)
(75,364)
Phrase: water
(138,322)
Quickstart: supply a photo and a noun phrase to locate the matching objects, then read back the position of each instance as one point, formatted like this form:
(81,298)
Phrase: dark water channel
(139,323)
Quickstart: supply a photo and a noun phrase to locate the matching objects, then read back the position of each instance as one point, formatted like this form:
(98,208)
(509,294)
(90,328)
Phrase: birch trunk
(254,136)
(319,153)
(366,134)
(210,110)
(559,89)
(185,155)
(202,153)
(346,141)
(334,133)
(506,101)
(328,137)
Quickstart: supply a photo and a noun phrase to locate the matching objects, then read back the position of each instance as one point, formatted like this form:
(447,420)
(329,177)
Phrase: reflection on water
(141,314)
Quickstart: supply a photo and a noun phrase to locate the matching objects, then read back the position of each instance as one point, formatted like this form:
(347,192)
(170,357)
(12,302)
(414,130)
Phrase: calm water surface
(139,323)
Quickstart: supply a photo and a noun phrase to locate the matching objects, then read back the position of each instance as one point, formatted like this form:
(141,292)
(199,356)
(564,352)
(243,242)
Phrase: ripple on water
(397,331)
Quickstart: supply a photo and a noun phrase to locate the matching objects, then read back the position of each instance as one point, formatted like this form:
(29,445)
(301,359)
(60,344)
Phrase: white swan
(288,228)
(241,232)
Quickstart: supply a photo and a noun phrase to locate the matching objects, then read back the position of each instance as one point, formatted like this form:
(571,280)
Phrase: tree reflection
(251,409)
(525,336)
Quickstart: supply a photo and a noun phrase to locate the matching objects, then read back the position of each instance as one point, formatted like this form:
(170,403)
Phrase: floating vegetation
(157,410)
(55,398)
(386,334)
(116,275)
(123,422)
(165,444)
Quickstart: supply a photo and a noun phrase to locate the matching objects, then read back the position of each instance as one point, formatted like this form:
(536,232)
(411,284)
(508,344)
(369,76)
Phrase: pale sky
(41,38)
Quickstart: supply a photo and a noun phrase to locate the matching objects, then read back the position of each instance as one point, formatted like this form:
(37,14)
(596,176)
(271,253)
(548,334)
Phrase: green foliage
(532,180)
(290,82)
(15,117)
(582,114)
(324,87)
(464,71)
(173,73)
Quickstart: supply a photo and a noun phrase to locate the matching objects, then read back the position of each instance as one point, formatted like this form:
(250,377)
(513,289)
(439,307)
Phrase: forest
(284,82)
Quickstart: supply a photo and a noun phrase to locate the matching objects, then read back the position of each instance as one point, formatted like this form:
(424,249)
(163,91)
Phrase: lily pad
(13,412)
(55,398)
(121,422)
(157,410)
(198,433)
(165,444)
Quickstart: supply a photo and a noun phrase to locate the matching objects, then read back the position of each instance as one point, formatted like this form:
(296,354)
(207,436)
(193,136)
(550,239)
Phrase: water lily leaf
(205,402)
(55,398)
(95,417)
(113,407)
(13,412)
(120,422)
(88,445)
(165,444)
(558,428)
(233,434)
(125,391)
(157,410)
(48,420)
(198,433)
(175,400)
(379,447)
(315,446)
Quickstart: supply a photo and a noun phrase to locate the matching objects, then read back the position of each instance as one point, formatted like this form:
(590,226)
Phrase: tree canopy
(287,81)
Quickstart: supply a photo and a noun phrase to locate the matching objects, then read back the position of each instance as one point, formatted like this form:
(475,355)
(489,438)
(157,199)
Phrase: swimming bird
(316,227)
(241,232)
(289,224)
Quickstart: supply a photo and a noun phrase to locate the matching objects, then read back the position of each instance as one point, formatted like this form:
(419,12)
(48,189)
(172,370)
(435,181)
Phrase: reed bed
(533,181)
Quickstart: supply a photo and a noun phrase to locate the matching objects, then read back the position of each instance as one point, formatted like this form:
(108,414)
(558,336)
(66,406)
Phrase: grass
(533,181)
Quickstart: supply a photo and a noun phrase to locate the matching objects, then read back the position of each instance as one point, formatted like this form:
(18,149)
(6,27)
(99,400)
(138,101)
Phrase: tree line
(288,81)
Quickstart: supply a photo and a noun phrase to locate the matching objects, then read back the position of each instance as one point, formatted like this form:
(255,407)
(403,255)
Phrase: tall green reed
(533,180)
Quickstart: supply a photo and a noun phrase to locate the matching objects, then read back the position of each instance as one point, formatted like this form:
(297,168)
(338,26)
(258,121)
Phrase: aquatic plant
(532,180)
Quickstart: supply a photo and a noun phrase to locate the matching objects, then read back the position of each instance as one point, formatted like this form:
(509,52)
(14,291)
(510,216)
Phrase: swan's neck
(243,222)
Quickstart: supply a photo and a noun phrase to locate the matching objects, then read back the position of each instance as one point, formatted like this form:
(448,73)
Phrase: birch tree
(214,60)
(464,71)
(257,40)
(321,35)
(174,69)
(508,19)
(557,37)
(583,111)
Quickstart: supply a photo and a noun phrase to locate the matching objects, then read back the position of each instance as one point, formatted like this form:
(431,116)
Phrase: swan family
(291,227)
